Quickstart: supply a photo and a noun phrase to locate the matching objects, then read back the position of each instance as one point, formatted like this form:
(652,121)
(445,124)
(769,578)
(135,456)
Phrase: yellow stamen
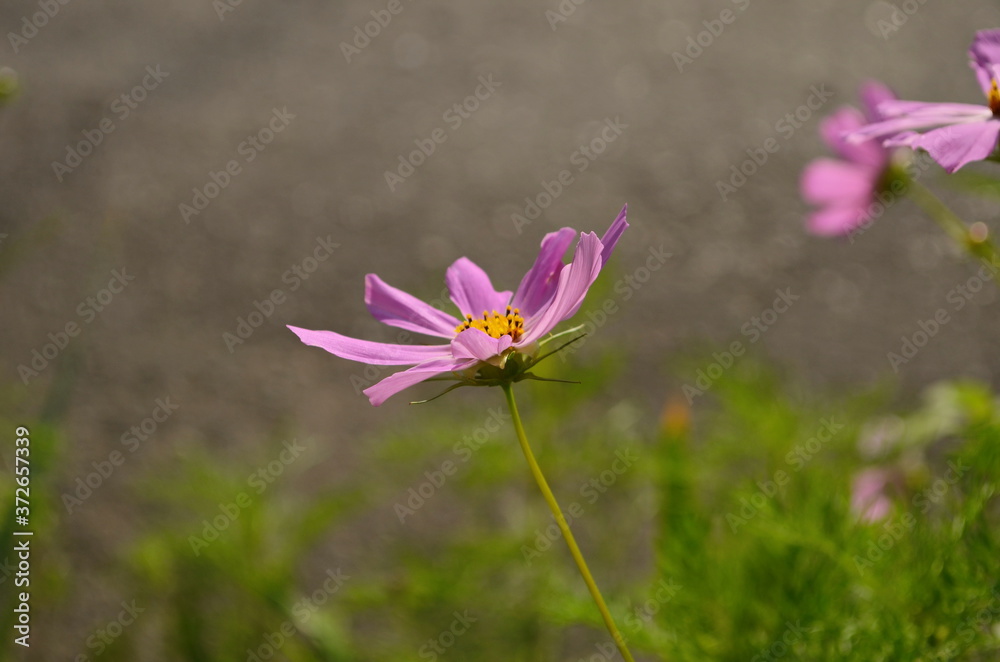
(496,325)
(994,98)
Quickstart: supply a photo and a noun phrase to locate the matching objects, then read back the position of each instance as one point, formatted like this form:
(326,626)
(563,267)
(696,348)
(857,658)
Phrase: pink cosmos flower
(869,498)
(494,325)
(845,188)
(964,133)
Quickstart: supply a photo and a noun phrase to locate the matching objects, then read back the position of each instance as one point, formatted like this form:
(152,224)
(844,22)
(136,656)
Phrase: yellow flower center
(496,325)
(994,98)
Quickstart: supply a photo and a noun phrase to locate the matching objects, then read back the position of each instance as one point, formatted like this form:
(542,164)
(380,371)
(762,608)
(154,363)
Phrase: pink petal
(904,139)
(868,484)
(539,284)
(869,500)
(877,510)
(374,353)
(397,308)
(872,94)
(613,234)
(954,146)
(828,181)
(834,221)
(946,112)
(985,58)
(910,115)
(395,383)
(574,281)
(475,344)
(471,289)
(846,120)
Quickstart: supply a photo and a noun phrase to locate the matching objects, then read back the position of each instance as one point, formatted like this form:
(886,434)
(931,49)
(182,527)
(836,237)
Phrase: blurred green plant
(723,531)
(225,582)
(756,525)
(10,87)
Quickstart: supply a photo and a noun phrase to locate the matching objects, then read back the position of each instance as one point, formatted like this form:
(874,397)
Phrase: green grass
(718,532)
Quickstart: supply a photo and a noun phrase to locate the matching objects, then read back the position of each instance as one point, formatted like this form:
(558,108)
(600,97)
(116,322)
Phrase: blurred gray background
(323,175)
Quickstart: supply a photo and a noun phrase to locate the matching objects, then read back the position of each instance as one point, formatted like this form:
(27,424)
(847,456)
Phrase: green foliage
(9,86)
(721,531)
(791,571)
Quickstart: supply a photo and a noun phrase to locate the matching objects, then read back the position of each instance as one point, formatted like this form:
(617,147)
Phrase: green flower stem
(953,226)
(574,549)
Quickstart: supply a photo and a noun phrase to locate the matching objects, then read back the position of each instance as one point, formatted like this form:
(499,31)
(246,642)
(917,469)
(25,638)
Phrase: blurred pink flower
(964,133)
(845,188)
(869,500)
(494,324)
